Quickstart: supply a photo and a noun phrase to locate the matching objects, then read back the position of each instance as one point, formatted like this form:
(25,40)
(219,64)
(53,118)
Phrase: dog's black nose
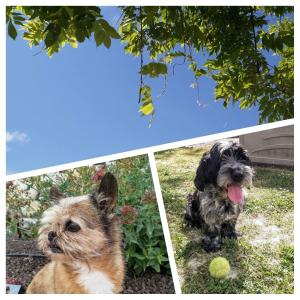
(51,236)
(237,175)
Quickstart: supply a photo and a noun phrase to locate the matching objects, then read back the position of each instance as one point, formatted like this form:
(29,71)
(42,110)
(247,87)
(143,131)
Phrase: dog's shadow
(196,261)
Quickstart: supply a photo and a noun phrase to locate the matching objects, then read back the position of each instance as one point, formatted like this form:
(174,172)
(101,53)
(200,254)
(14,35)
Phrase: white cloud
(16,136)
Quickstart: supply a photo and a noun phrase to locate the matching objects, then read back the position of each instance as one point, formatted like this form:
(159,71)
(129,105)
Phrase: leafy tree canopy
(235,43)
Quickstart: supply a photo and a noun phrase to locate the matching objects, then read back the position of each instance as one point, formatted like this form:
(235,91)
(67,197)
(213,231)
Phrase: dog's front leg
(228,229)
(211,241)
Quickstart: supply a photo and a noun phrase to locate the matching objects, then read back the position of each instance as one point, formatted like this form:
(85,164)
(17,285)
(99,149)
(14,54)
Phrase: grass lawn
(262,259)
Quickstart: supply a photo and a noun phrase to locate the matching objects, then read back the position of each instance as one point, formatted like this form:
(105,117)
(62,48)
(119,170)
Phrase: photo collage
(149,149)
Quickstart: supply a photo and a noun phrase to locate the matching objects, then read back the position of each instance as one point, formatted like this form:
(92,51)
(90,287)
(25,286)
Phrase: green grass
(262,259)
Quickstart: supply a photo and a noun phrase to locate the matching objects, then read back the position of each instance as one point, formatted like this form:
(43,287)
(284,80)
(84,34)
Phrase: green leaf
(18,18)
(154,69)
(138,256)
(247,85)
(200,72)
(111,31)
(99,37)
(73,43)
(50,39)
(147,109)
(156,267)
(80,36)
(19,23)
(12,32)
(146,93)
(193,66)
(8,12)
(104,24)
(177,54)
(149,229)
(107,41)
(69,10)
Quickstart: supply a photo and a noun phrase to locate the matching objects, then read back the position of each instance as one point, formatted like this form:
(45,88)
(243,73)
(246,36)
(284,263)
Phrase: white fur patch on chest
(95,282)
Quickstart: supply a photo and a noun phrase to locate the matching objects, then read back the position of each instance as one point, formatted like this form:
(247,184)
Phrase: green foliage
(55,26)
(134,179)
(13,18)
(143,239)
(234,40)
(144,245)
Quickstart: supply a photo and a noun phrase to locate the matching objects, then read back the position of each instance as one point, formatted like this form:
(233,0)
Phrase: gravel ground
(22,270)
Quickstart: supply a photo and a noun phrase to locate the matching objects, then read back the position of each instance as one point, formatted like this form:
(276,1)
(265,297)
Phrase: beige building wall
(274,146)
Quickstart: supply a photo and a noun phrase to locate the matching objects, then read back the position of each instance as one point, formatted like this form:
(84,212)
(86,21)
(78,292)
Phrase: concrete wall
(272,147)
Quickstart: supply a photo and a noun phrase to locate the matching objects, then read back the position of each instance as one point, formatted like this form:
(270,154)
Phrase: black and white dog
(220,196)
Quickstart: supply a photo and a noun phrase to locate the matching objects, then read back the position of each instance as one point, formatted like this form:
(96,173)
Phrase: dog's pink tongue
(235,193)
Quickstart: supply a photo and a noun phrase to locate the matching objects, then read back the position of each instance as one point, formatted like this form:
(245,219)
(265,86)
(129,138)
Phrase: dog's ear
(244,155)
(55,195)
(106,195)
(201,178)
(208,169)
(247,158)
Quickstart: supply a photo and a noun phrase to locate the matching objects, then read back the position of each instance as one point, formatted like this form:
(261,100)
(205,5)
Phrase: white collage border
(150,150)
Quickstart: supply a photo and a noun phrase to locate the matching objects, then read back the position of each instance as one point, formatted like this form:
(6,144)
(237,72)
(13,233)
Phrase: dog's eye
(227,153)
(72,226)
(243,158)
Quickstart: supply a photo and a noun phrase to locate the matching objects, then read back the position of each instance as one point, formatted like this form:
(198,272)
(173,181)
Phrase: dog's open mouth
(235,193)
(55,249)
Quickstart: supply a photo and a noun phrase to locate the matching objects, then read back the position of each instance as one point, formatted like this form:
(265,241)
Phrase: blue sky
(83,103)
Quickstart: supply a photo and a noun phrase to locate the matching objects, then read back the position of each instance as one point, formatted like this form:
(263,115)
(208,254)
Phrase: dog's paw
(230,234)
(190,221)
(211,244)
(187,220)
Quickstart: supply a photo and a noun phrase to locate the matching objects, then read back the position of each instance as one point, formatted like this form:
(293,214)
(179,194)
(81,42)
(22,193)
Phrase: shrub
(143,239)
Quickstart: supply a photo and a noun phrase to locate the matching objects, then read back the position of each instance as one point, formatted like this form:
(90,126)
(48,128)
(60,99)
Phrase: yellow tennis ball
(219,267)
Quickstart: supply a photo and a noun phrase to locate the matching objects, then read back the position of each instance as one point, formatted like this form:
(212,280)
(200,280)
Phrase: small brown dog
(81,236)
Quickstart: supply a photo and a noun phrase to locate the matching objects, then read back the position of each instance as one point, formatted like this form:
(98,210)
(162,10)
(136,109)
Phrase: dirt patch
(266,233)
(22,269)
(149,283)
(22,246)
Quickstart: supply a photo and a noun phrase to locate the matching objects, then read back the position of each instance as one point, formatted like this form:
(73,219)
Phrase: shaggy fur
(209,208)
(81,236)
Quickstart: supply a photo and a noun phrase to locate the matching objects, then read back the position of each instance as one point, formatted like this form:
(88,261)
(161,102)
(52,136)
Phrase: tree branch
(141,54)
(254,37)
